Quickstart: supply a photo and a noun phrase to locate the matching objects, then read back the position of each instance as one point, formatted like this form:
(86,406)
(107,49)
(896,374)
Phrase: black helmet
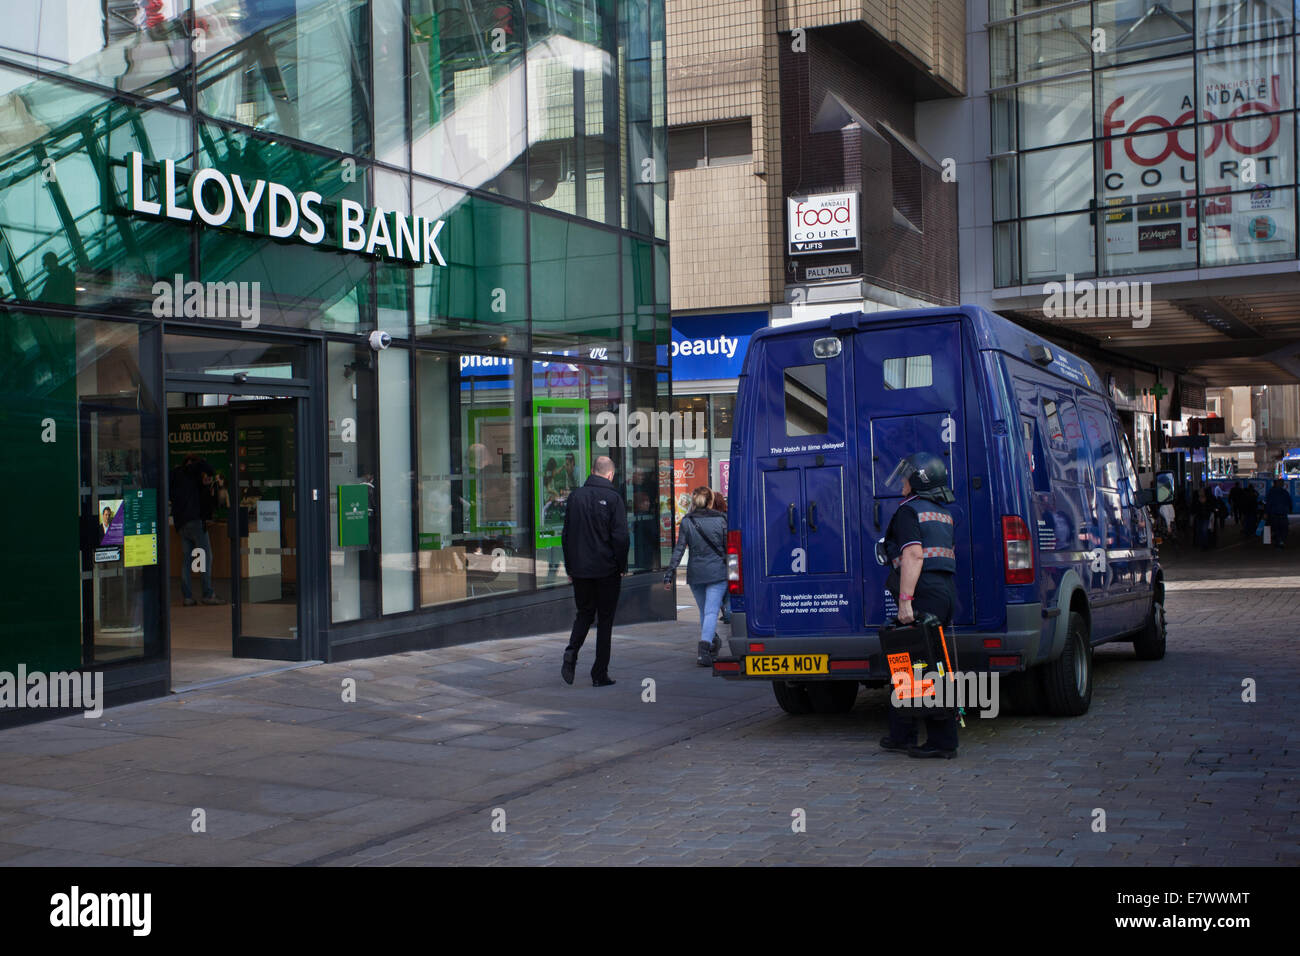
(926,473)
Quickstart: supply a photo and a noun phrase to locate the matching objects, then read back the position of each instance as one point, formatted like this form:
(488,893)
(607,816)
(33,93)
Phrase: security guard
(919,544)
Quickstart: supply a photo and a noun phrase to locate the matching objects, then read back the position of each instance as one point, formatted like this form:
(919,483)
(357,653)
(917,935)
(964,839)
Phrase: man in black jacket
(595,539)
(191,509)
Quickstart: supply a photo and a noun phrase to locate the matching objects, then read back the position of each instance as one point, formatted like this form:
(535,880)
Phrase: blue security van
(1055,551)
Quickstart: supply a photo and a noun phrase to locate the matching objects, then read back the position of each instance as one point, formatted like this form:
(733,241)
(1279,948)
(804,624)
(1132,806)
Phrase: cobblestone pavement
(443,744)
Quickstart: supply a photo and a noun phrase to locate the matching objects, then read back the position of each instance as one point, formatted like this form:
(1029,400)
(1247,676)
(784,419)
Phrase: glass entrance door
(264,529)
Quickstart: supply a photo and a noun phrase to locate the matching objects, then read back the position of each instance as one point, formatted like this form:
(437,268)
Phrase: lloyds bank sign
(267,208)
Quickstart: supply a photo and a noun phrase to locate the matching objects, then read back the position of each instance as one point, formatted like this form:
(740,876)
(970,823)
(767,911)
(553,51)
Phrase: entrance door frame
(307,392)
(266,648)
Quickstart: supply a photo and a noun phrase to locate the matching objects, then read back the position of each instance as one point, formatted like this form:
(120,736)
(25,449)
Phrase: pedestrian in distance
(920,543)
(595,541)
(1220,511)
(1250,510)
(704,531)
(1202,516)
(1277,505)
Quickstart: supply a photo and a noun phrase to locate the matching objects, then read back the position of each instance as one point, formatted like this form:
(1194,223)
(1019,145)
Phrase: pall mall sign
(825,223)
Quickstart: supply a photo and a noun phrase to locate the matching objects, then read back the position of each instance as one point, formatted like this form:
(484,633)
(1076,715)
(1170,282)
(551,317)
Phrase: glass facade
(483,181)
(1130,137)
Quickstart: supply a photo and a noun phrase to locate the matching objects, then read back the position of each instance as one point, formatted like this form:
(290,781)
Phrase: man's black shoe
(704,655)
(602,681)
(925,750)
(888,743)
(567,668)
(715,646)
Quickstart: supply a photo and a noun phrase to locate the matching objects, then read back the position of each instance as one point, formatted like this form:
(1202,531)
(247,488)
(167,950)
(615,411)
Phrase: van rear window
(805,400)
(914,371)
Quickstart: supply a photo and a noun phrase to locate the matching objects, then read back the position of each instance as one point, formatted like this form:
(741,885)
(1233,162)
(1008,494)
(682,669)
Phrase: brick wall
(932,33)
(717,238)
(726,61)
(871,161)
(725,223)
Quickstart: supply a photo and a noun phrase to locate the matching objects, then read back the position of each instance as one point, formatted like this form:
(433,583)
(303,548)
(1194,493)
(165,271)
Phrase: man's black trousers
(940,732)
(597,600)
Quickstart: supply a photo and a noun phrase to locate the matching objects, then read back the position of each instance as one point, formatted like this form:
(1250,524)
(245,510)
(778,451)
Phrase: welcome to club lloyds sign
(268,208)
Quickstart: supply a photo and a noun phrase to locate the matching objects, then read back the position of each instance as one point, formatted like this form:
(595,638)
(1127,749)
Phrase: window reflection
(138,48)
(94,491)
(473,537)
(573,100)
(468,120)
(298,68)
(575,288)
(61,241)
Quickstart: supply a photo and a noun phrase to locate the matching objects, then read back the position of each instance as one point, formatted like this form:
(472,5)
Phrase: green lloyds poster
(354,516)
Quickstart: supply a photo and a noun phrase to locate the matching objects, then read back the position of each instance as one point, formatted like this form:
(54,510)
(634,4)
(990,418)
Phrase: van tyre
(1067,681)
(792,696)
(833,697)
(1149,645)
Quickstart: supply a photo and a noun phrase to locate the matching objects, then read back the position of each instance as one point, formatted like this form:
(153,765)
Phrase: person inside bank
(192,498)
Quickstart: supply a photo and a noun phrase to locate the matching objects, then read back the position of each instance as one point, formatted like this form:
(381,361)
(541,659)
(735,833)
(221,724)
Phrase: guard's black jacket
(595,530)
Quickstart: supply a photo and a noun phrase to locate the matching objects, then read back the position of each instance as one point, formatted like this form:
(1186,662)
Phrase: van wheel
(1024,692)
(1150,644)
(1067,681)
(792,696)
(832,697)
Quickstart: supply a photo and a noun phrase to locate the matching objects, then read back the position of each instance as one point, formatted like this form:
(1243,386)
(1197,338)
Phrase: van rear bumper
(858,655)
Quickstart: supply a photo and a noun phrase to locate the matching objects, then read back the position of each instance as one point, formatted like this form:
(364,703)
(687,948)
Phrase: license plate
(787,665)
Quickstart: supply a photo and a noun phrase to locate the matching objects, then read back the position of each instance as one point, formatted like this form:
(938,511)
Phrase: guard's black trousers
(941,732)
(597,600)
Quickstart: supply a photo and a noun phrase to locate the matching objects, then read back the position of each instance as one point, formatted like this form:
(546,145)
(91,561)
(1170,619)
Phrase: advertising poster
(140,528)
(562,439)
(1153,153)
(110,523)
(205,433)
(688,474)
(489,467)
(666,510)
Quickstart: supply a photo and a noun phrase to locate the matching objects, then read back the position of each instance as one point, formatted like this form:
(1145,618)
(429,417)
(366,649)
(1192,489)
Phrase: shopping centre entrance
(238,593)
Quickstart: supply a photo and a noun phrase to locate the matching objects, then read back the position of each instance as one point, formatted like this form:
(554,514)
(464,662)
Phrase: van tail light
(1019,551)
(735,574)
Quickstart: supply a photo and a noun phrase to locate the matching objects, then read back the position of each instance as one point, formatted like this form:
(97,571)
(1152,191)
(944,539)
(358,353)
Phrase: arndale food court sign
(825,223)
(268,208)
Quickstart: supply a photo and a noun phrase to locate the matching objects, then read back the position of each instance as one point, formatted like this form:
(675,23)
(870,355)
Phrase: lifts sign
(827,223)
(268,208)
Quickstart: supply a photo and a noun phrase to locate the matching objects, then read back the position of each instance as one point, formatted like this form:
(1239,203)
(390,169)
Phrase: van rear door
(909,388)
(805,486)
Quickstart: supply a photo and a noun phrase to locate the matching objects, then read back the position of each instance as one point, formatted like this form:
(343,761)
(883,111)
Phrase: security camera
(380,341)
